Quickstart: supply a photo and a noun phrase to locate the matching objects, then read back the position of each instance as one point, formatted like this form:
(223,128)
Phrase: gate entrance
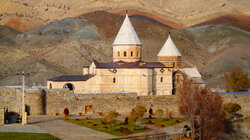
(88,109)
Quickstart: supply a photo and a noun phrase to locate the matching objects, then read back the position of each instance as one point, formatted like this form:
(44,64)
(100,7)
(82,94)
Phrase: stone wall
(11,99)
(51,101)
(123,103)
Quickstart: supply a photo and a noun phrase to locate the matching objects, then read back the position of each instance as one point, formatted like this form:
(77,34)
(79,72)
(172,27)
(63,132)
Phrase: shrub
(150,112)
(177,121)
(100,113)
(170,114)
(149,122)
(124,130)
(126,120)
(86,117)
(122,126)
(159,113)
(110,119)
(80,113)
(162,124)
(66,111)
(117,113)
(57,113)
(65,117)
(232,107)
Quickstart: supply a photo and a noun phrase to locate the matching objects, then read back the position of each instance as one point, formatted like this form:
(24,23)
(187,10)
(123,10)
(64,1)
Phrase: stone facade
(128,53)
(137,80)
(170,61)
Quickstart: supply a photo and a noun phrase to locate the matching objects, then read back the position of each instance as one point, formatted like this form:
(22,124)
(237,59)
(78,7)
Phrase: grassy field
(25,136)
(162,122)
(96,124)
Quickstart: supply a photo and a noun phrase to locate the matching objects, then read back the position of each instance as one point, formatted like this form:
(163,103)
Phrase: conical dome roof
(127,34)
(169,49)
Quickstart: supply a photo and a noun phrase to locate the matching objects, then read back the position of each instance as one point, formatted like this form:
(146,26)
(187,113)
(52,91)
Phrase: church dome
(169,49)
(126,34)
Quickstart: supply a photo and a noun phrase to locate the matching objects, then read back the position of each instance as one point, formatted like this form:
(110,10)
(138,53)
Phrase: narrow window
(137,53)
(125,54)
(132,54)
(161,79)
(50,86)
(114,80)
(118,54)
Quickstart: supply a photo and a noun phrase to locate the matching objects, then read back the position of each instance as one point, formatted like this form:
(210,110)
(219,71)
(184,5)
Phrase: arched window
(50,86)
(114,80)
(118,54)
(161,79)
(69,86)
(125,54)
(137,53)
(131,53)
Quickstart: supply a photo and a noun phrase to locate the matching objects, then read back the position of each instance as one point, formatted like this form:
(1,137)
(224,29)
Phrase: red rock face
(20,25)
(16,24)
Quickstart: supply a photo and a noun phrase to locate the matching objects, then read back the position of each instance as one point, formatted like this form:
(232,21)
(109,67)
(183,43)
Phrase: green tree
(136,113)
(236,80)
(110,119)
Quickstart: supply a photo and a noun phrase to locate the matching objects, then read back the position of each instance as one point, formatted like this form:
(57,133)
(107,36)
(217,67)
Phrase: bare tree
(203,110)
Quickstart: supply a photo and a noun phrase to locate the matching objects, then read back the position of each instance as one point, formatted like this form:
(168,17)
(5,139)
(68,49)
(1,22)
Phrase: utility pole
(23,105)
(23,95)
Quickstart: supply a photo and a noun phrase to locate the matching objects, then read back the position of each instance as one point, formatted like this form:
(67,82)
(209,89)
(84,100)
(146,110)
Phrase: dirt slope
(48,51)
(25,15)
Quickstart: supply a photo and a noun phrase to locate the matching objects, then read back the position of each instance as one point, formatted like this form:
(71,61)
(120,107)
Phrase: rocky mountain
(51,38)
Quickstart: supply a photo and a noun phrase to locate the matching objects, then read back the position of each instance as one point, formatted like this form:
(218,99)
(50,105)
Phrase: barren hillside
(64,46)
(25,15)
(49,38)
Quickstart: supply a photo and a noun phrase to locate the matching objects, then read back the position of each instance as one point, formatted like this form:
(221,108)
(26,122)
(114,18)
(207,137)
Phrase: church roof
(138,64)
(191,72)
(71,78)
(169,49)
(127,34)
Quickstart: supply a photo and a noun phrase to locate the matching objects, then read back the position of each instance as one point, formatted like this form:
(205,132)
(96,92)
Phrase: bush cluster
(232,107)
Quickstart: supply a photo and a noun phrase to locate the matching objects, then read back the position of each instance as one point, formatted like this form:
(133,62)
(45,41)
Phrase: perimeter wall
(40,102)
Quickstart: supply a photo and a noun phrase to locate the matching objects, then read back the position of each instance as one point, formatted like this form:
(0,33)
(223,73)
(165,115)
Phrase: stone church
(127,73)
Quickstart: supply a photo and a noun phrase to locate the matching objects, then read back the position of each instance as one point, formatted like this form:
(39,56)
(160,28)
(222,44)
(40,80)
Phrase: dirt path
(68,131)
(20,128)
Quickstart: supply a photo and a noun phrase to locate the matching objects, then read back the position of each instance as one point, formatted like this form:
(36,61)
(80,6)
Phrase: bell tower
(169,55)
(127,46)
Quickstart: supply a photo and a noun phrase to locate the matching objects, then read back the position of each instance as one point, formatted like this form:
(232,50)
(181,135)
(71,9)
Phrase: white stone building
(127,73)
